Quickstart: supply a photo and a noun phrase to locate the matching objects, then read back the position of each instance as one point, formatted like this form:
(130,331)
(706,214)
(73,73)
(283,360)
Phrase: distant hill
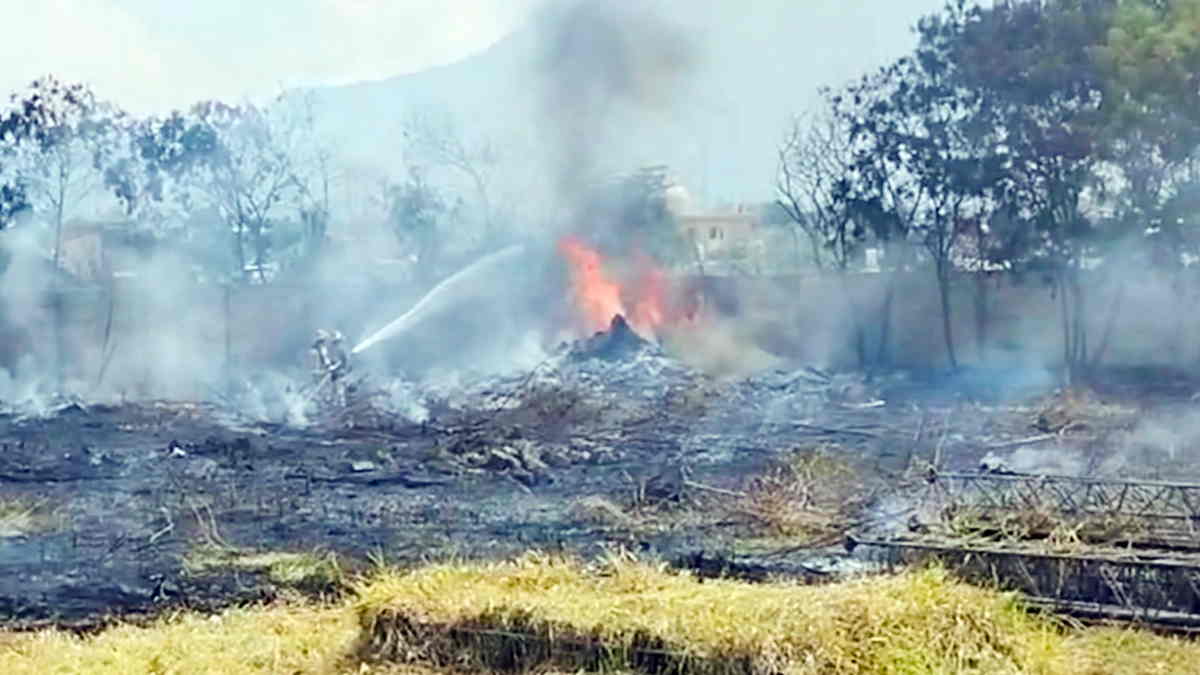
(761,62)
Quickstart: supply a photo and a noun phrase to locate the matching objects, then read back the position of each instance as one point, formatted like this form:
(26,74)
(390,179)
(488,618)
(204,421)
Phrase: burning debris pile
(639,292)
(619,342)
(597,400)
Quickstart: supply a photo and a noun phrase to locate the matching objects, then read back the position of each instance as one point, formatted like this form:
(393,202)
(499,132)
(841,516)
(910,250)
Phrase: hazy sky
(150,55)
(763,59)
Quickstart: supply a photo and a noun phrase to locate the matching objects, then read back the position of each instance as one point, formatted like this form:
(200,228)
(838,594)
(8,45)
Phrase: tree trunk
(860,333)
(796,248)
(901,252)
(1081,332)
(58,225)
(882,354)
(1109,324)
(260,251)
(485,204)
(60,350)
(943,281)
(1065,317)
(1081,322)
(1072,310)
(981,314)
(106,352)
(239,250)
(227,325)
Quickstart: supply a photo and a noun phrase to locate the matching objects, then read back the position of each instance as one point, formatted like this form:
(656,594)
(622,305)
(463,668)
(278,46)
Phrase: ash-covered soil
(603,445)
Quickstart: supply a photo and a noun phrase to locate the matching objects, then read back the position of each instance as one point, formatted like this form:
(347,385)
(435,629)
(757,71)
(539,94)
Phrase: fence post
(228,311)
(56,307)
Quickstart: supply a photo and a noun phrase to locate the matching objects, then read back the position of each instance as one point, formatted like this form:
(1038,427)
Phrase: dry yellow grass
(1114,651)
(316,570)
(810,496)
(294,639)
(1078,408)
(20,516)
(298,639)
(919,622)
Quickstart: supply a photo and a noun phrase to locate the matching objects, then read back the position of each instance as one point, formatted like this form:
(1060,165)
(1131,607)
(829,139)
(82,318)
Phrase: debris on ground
(607,440)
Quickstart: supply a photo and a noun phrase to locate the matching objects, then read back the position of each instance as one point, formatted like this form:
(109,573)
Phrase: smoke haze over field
(567,93)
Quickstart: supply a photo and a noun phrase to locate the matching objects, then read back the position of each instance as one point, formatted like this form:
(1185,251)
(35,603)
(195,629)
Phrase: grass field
(553,615)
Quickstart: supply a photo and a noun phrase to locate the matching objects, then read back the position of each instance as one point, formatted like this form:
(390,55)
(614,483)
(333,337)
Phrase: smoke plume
(603,67)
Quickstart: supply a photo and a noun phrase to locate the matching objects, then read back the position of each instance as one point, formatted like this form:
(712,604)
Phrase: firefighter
(331,363)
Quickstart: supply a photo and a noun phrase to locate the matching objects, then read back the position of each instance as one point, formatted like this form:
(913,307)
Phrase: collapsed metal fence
(1163,592)
(1145,569)
(1154,501)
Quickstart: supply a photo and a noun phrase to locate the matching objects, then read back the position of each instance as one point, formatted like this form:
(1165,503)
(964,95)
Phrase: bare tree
(434,137)
(814,156)
(249,176)
(315,170)
(814,160)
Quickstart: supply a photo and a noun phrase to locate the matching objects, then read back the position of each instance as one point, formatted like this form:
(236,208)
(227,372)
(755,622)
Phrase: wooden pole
(228,307)
(59,342)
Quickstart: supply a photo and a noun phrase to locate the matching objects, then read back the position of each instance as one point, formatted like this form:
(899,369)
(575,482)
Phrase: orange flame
(598,297)
(599,293)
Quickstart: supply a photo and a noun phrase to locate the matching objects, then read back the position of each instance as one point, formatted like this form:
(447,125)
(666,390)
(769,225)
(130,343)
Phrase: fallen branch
(714,490)
(520,388)
(834,430)
(1022,441)
(167,529)
(48,476)
(399,478)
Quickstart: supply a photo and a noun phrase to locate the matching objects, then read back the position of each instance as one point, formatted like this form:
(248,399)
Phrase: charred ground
(608,443)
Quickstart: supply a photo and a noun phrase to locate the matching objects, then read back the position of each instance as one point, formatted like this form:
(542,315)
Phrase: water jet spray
(464,284)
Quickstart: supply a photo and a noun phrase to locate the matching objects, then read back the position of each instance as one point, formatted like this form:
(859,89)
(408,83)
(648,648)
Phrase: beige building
(718,235)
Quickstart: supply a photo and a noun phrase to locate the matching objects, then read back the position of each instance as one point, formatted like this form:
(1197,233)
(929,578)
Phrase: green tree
(1151,63)
(68,135)
(1032,64)
(925,140)
(16,124)
(879,193)
(418,214)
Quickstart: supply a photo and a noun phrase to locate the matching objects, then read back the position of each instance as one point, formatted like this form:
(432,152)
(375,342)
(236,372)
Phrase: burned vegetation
(907,359)
(608,444)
